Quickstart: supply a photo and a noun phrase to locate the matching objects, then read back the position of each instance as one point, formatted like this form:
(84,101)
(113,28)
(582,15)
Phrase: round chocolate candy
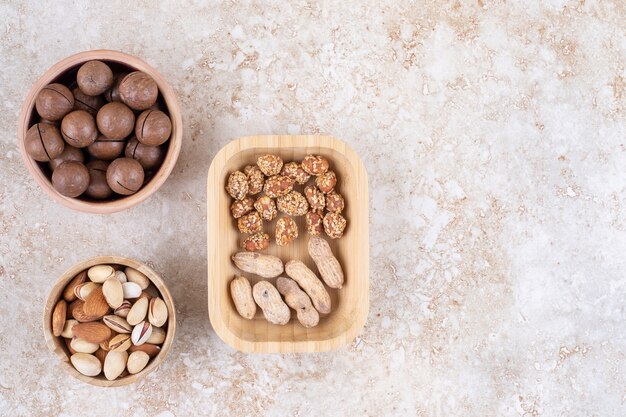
(138,90)
(113,93)
(43,142)
(79,129)
(69,153)
(71,178)
(153,127)
(106,149)
(148,156)
(91,104)
(94,77)
(125,176)
(98,188)
(115,120)
(54,101)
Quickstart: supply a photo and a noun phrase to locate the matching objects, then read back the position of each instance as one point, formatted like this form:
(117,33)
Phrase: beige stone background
(494,138)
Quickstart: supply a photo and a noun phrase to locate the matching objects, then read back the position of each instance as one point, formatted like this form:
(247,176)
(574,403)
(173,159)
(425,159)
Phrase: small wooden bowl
(56,344)
(63,70)
(349,304)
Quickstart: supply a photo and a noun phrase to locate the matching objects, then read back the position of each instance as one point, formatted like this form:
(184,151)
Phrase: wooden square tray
(349,304)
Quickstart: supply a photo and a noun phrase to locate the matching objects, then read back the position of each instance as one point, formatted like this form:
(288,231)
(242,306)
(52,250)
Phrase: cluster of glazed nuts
(111,321)
(303,291)
(274,183)
(111,120)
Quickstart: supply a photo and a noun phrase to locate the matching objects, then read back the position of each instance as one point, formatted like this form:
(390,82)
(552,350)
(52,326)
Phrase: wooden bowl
(63,72)
(56,344)
(349,304)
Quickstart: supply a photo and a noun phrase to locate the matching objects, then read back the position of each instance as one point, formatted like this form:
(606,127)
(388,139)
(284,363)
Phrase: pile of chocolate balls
(103,138)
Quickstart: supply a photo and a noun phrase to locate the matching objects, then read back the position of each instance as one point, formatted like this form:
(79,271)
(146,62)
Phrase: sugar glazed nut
(334,225)
(294,171)
(327,264)
(334,202)
(242,207)
(54,101)
(266,266)
(311,284)
(299,301)
(293,204)
(315,164)
(43,142)
(256,179)
(250,223)
(270,164)
(278,185)
(314,222)
(256,242)
(241,292)
(266,207)
(326,182)
(237,186)
(268,298)
(315,197)
(286,231)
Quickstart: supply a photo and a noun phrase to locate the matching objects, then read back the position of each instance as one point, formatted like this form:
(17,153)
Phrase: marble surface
(494,138)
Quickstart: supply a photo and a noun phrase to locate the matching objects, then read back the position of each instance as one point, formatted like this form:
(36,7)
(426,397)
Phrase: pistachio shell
(121,276)
(68,292)
(118,324)
(122,311)
(150,349)
(100,273)
(131,290)
(137,361)
(120,343)
(141,333)
(114,364)
(137,277)
(113,292)
(83,346)
(138,312)
(82,291)
(157,336)
(68,332)
(86,364)
(157,312)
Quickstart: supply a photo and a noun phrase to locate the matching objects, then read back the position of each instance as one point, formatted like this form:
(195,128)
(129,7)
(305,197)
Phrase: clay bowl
(65,72)
(57,344)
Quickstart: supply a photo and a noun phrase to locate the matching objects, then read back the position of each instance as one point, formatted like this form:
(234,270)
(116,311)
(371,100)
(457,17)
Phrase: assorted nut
(112,324)
(95,122)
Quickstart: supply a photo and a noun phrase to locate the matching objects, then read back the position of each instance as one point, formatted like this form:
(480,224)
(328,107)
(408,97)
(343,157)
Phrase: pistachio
(94,332)
(113,292)
(117,324)
(137,277)
(131,290)
(68,292)
(82,291)
(137,361)
(121,276)
(150,349)
(100,273)
(141,333)
(68,344)
(138,312)
(157,312)
(86,364)
(68,329)
(120,343)
(83,346)
(58,317)
(114,364)
(157,336)
(123,310)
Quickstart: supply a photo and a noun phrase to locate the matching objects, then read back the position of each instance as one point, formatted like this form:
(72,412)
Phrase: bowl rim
(220,323)
(123,203)
(66,277)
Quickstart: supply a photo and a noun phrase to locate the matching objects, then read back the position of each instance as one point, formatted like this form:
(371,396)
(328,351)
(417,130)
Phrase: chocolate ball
(138,90)
(148,156)
(94,77)
(71,178)
(98,188)
(106,149)
(79,129)
(153,127)
(43,142)
(113,93)
(91,104)
(69,153)
(54,101)
(125,176)
(115,120)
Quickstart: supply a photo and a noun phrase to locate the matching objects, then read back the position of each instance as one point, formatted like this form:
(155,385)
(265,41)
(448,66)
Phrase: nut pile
(103,135)
(306,188)
(303,291)
(111,321)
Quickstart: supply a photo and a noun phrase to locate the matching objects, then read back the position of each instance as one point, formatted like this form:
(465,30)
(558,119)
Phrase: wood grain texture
(28,114)
(349,305)
(56,344)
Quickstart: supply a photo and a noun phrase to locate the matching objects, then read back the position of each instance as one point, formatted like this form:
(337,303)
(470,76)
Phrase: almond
(100,273)
(118,324)
(93,332)
(138,312)
(149,348)
(96,305)
(82,291)
(113,292)
(86,364)
(120,343)
(101,354)
(114,364)
(141,333)
(68,292)
(137,361)
(157,312)
(77,312)
(58,317)
(137,277)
